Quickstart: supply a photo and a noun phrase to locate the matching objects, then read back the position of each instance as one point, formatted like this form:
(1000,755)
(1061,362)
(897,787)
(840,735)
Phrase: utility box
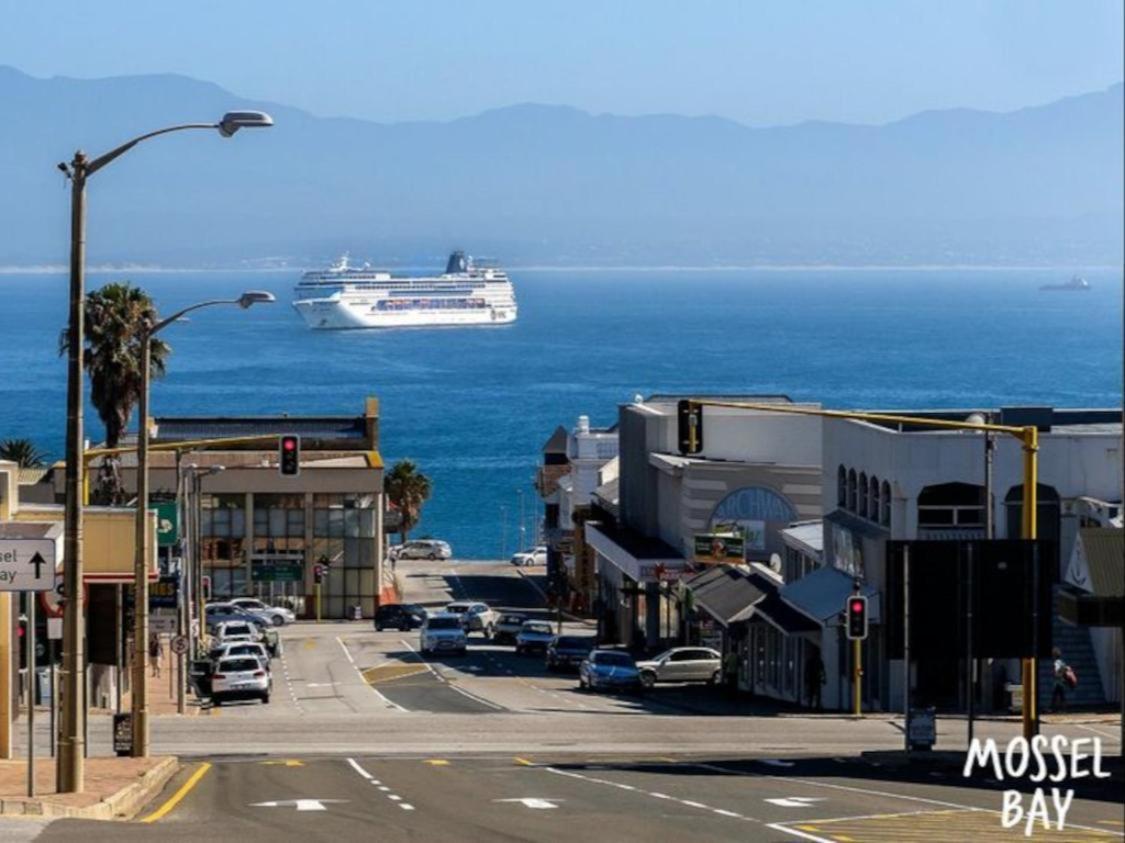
(922,731)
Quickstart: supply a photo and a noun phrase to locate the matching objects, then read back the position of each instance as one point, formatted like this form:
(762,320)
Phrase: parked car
(535,556)
(425,549)
(568,651)
(476,617)
(443,633)
(402,616)
(229,632)
(508,626)
(219,613)
(278,615)
(240,677)
(610,670)
(682,664)
(241,648)
(533,637)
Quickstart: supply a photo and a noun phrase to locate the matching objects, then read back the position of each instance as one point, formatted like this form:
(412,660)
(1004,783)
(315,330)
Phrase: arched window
(950,506)
(841,487)
(874,507)
(1047,517)
(885,505)
(862,509)
(851,489)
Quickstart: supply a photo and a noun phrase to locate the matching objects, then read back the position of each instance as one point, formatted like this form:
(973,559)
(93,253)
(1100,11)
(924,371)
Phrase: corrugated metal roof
(724,592)
(1105,555)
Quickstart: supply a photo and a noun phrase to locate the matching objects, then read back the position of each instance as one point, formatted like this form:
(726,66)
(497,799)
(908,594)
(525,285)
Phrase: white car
(527,558)
(475,617)
(229,632)
(443,633)
(242,648)
(278,615)
(682,664)
(424,549)
(238,677)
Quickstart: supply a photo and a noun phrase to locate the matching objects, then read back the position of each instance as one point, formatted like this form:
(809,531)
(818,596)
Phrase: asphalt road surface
(364,738)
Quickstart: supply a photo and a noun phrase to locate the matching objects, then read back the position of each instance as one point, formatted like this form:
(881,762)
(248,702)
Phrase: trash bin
(922,731)
(357,612)
(1015,696)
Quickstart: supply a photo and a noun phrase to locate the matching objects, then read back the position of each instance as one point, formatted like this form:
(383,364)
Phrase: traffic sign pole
(29,598)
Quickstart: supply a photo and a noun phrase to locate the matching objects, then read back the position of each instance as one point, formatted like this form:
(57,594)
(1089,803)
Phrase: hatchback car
(240,677)
(476,617)
(533,637)
(228,632)
(399,616)
(610,670)
(568,651)
(443,634)
(508,626)
(277,615)
(425,549)
(682,664)
(241,648)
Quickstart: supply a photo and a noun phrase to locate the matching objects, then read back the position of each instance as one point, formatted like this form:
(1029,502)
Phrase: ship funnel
(457,263)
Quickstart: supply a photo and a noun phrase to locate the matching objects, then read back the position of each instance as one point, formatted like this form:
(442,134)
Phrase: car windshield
(237,629)
(443,623)
(237,665)
(538,628)
(513,619)
(614,659)
(575,643)
(457,610)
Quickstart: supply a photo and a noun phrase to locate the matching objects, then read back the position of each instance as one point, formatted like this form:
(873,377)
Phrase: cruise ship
(345,296)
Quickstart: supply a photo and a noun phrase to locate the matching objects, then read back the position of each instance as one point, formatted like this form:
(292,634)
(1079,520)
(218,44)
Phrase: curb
(122,805)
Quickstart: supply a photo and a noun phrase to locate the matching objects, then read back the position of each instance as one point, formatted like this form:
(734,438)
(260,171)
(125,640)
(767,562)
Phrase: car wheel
(582,686)
(378,627)
(265,699)
(277,620)
(714,680)
(648,679)
(433,557)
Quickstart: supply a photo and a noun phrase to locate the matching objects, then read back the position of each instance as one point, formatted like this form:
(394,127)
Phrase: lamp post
(70,773)
(141,538)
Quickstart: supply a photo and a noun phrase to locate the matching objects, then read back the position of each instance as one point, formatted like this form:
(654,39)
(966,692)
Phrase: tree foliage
(408,489)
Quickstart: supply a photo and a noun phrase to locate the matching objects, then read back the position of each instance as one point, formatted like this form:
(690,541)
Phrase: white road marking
(384,788)
(804,835)
(795,801)
(775,762)
(1098,731)
(386,791)
(391,796)
(359,769)
(441,678)
(374,690)
(689,803)
(534,802)
(406,806)
(299,804)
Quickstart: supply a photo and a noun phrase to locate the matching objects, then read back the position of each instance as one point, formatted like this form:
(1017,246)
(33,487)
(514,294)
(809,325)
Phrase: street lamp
(70,773)
(141,535)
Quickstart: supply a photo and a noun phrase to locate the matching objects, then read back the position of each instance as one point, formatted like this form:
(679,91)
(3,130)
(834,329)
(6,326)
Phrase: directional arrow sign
(796,801)
(534,802)
(299,804)
(27,564)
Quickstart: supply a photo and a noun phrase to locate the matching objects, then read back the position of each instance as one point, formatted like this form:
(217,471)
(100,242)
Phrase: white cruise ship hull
(336,314)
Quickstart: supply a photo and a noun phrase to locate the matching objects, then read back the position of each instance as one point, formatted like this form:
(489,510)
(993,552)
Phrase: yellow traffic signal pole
(1029,439)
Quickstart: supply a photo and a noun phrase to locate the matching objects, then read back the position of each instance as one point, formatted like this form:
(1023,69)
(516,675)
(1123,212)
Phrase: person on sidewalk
(155,653)
(814,678)
(1058,692)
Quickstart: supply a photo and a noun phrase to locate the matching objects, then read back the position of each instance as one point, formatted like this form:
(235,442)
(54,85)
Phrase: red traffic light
(857,606)
(289,443)
(289,455)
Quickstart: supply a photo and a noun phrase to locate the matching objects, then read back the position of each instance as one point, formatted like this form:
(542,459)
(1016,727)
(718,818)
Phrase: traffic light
(690,417)
(857,617)
(289,455)
(318,573)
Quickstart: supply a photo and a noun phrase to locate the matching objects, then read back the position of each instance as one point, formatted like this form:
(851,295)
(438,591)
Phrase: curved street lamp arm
(102,160)
(179,314)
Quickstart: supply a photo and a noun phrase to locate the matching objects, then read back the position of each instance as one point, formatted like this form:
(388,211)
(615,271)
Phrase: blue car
(611,670)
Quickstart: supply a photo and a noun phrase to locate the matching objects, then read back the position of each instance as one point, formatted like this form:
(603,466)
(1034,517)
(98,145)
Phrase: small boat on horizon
(1076,282)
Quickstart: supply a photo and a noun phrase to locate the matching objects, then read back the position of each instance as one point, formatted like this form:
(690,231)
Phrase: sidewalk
(116,788)
(162,699)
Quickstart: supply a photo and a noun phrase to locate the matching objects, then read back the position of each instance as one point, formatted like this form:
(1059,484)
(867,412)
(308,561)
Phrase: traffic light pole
(857,690)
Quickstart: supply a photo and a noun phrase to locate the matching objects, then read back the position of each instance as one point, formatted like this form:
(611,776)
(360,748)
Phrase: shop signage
(720,547)
(164,593)
(167,523)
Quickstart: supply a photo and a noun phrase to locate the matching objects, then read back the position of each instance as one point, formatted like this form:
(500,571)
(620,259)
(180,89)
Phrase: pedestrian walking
(155,653)
(1065,680)
(814,678)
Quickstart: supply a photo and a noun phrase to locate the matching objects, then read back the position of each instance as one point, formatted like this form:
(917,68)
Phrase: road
(363,733)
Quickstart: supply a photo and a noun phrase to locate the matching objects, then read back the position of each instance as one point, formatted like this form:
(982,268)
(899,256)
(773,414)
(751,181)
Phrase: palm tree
(23,452)
(407,488)
(117,316)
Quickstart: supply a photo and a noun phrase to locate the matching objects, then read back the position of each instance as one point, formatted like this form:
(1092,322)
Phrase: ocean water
(474,406)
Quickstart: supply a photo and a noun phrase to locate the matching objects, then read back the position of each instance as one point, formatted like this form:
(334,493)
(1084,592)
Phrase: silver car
(682,664)
(533,637)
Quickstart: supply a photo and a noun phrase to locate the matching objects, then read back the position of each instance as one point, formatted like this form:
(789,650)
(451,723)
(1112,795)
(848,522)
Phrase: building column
(652,615)
(309,561)
(248,541)
(378,550)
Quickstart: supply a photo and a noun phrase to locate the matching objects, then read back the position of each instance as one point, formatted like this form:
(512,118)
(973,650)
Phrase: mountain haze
(551,184)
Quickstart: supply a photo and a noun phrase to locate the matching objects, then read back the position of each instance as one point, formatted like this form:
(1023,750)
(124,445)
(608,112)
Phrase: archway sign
(753,509)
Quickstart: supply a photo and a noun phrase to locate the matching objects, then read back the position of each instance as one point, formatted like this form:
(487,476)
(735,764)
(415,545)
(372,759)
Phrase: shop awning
(820,596)
(725,593)
(1094,584)
(639,557)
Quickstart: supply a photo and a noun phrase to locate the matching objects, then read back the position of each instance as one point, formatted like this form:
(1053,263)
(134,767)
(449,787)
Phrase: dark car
(399,616)
(217,613)
(568,651)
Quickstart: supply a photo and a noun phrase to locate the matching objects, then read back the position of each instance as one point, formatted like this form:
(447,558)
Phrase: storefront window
(222,525)
(344,539)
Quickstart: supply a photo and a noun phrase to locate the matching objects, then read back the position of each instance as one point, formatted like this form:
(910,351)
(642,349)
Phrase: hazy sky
(759,61)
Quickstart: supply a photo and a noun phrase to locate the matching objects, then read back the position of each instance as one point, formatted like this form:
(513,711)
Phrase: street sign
(27,564)
(167,523)
(54,629)
(162,624)
(179,645)
(277,572)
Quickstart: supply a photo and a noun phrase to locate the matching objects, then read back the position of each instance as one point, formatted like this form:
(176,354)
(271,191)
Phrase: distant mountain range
(549,184)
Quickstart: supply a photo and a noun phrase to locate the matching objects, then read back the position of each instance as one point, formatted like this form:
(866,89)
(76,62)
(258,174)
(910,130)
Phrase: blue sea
(474,406)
